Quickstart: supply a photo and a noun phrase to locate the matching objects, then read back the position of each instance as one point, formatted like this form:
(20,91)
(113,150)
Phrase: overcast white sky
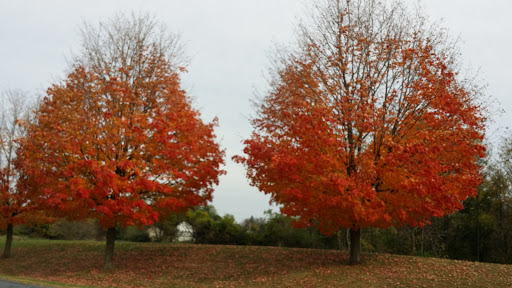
(228,41)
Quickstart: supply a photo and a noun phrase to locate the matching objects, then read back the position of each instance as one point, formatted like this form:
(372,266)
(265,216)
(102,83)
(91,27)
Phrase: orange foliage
(120,148)
(366,133)
(11,203)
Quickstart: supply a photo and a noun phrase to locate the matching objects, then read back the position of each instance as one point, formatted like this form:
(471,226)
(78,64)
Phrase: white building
(185,232)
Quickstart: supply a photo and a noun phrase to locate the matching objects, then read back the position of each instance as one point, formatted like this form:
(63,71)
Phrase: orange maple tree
(15,206)
(122,146)
(367,125)
(10,210)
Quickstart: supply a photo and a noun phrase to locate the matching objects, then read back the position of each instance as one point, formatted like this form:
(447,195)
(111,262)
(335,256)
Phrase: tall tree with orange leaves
(367,122)
(15,206)
(118,139)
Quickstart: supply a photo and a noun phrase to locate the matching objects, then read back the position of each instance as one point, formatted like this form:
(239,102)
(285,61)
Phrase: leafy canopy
(121,144)
(367,123)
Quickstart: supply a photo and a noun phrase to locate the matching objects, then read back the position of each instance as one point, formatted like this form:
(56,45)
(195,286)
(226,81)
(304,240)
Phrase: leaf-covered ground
(177,265)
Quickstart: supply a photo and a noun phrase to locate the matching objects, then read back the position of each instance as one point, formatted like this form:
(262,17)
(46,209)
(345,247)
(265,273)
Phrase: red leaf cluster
(120,148)
(364,132)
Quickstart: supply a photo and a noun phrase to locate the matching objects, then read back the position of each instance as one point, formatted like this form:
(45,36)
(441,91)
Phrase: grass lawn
(79,264)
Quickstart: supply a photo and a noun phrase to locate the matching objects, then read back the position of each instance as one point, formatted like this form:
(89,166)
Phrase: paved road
(9,284)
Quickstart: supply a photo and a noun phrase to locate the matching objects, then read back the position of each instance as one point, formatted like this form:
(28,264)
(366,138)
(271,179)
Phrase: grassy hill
(176,265)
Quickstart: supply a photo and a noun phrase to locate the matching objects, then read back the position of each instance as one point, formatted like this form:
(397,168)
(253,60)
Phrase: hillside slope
(178,265)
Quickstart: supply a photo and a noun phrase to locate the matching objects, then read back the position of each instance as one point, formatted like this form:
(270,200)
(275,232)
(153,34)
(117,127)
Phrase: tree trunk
(422,239)
(413,241)
(477,228)
(340,241)
(355,247)
(347,238)
(109,251)
(372,240)
(8,241)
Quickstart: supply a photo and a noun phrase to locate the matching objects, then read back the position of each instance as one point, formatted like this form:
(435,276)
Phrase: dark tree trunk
(372,239)
(355,247)
(340,241)
(8,241)
(347,238)
(477,228)
(413,241)
(109,251)
(422,239)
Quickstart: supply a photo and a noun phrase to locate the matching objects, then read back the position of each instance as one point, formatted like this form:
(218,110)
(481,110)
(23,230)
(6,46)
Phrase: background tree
(14,203)
(168,227)
(75,230)
(210,228)
(118,139)
(367,123)
(485,223)
(253,225)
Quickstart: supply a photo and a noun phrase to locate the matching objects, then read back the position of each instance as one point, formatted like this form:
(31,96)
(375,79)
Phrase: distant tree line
(208,227)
